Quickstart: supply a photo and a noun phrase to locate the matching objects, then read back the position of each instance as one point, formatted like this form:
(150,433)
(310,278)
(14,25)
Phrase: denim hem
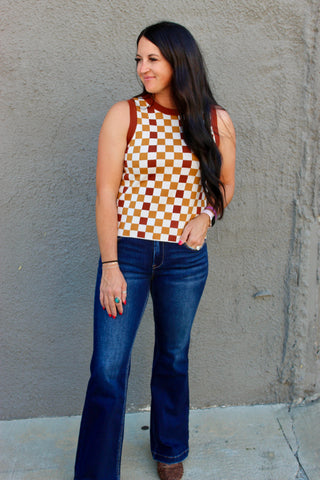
(91,478)
(170,460)
(83,478)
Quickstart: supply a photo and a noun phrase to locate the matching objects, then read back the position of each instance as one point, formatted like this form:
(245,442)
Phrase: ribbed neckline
(169,111)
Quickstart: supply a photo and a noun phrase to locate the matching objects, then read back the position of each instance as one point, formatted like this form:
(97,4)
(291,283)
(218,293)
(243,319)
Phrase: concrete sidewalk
(269,442)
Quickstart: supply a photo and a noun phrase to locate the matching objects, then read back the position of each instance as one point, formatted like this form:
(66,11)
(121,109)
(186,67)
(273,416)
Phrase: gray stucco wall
(256,337)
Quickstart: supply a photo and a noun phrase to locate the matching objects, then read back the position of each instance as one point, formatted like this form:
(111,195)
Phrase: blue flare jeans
(175,275)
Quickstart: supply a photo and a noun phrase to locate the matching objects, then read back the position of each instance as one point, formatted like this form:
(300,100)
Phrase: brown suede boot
(170,472)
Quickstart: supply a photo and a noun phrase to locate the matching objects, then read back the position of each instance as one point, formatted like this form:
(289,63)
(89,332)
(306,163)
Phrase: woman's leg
(177,286)
(101,432)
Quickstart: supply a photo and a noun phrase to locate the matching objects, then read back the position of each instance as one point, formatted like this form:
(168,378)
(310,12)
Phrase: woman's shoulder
(118,116)
(116,122)
(119,108)
(224,122)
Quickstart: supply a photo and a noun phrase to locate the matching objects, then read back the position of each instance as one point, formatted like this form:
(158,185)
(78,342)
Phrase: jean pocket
(194,249)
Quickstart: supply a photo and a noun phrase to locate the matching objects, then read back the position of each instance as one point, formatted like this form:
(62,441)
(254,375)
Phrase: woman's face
(154,70)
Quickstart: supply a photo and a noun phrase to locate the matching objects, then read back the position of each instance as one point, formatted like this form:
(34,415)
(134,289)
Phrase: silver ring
(198,247)
(117,300)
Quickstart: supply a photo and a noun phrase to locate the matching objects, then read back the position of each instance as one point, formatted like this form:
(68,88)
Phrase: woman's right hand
(112,286)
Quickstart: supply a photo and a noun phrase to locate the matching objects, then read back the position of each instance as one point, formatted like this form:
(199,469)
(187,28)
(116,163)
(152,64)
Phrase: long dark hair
(194,101)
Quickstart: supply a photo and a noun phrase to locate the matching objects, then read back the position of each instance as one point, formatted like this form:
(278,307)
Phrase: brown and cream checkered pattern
(161,189)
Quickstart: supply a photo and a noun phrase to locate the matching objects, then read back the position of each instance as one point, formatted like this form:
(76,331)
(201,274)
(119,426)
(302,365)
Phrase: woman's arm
(227,149)
(111,150)
(195,231)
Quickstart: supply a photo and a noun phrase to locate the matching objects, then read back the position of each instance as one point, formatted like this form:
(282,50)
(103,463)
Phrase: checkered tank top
(160,190)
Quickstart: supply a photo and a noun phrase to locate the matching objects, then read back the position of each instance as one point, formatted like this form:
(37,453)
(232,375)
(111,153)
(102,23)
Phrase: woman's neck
(165,100)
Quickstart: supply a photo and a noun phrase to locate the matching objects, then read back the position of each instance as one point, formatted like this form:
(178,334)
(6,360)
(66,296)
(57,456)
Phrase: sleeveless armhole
(214,124)
(133,120)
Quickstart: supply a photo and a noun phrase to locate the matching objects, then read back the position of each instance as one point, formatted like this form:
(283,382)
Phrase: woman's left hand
(195,232)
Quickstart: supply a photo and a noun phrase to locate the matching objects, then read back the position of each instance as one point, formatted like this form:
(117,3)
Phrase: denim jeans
(175,275)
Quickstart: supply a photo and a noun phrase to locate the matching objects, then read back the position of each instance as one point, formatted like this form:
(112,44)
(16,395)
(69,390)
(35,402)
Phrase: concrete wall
(256,336)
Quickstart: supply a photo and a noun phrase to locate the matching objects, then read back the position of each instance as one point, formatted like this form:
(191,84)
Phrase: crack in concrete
(301,473)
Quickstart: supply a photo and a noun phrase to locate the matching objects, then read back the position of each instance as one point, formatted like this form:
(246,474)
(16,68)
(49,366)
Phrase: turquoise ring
(117,300)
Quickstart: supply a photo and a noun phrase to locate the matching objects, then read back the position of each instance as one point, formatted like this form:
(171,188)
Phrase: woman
(161,182)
